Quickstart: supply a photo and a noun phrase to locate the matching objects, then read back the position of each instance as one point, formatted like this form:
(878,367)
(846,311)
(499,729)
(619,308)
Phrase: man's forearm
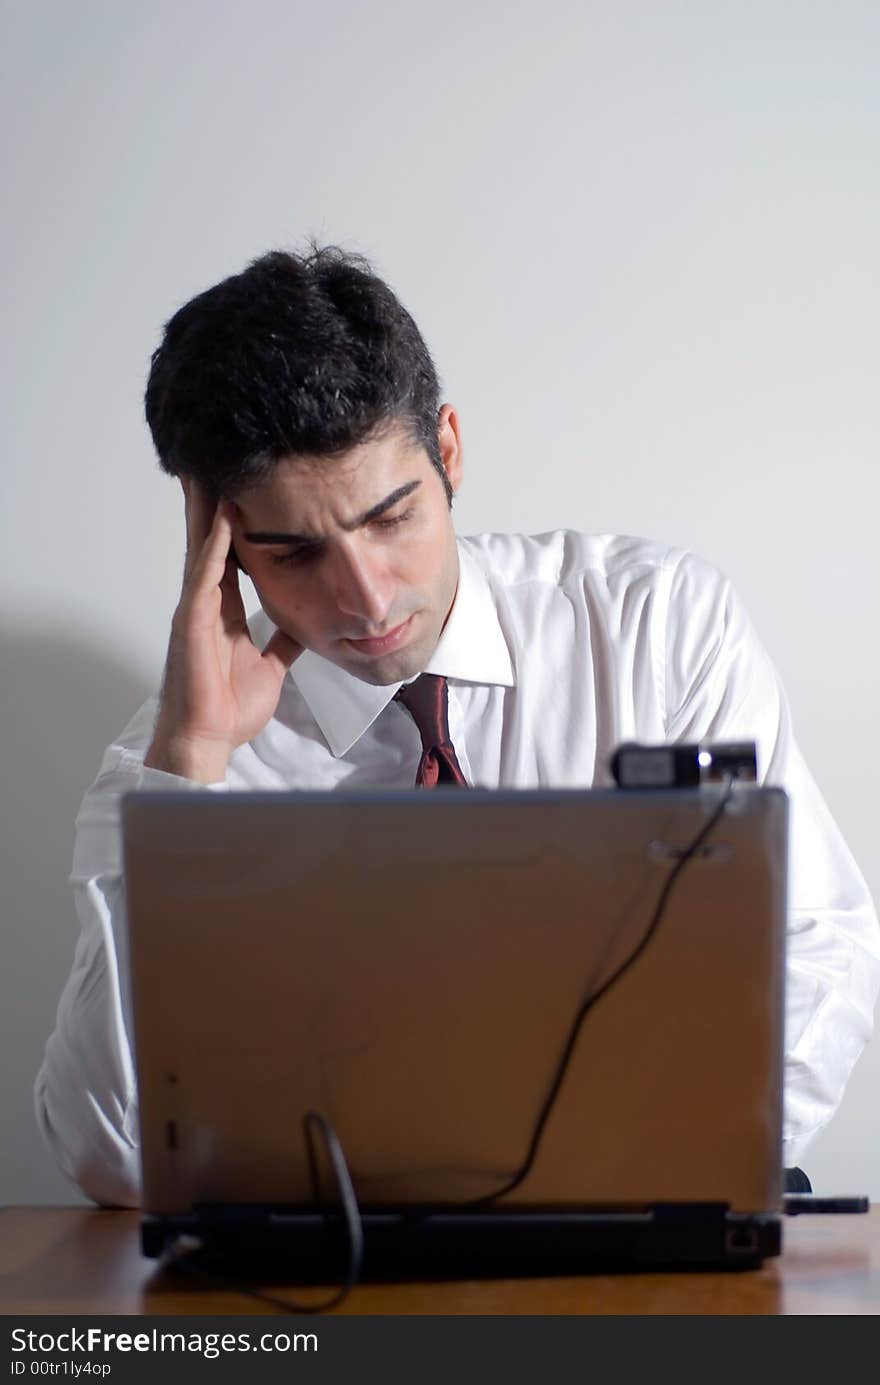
(202,764)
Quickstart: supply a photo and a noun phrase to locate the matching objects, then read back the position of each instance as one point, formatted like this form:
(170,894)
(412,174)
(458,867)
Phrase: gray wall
(641,241)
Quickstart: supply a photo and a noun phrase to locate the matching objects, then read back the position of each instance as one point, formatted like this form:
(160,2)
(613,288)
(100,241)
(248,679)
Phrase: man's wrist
(203,763)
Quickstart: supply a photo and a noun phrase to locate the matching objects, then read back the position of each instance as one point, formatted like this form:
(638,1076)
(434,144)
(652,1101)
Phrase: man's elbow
(97,1159)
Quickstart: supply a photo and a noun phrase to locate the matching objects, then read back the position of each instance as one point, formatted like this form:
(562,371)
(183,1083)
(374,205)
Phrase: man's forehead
(356,469)
(278,518)
(394,444)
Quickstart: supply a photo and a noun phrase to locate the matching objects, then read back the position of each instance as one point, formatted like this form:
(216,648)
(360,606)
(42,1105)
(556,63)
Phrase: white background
(641,242)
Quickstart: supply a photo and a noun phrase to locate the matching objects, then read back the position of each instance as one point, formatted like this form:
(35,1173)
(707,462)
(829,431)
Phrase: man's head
(302,391)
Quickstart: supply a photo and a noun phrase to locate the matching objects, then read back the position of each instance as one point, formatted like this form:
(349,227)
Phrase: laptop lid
(409,965)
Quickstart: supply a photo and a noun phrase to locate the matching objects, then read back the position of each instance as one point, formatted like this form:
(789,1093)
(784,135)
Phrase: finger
(207,572)
(200,510)
(232,604)
(188,559)
(281,651)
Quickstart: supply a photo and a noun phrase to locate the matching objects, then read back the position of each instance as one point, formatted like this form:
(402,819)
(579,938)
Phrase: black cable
(562,1066)
(177,1256)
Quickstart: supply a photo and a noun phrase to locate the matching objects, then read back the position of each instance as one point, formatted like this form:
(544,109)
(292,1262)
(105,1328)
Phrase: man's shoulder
(563,555)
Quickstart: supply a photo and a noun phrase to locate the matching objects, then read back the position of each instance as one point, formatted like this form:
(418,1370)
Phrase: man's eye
(296,558)
(390,523)
(299,556)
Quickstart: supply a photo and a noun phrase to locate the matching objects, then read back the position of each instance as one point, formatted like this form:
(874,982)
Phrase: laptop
(409,965)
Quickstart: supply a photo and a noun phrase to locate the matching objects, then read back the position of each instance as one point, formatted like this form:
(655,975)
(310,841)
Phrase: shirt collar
(471,648)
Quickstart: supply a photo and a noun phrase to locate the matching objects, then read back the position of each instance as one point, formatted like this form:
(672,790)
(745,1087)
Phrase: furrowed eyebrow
(269,536)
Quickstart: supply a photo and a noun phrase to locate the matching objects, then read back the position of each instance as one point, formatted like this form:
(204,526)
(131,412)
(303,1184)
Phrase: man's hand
(219,690)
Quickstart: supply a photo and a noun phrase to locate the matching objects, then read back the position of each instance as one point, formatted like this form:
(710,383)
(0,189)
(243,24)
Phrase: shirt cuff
(159,779)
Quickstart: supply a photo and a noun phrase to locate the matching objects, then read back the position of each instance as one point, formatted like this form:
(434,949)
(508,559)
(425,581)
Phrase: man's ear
(449,442)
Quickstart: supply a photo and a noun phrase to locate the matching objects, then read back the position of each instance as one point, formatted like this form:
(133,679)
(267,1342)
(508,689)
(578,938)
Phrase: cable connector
(793,1204)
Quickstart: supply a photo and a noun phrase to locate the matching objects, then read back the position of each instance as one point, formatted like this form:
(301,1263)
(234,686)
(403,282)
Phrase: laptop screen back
(409,965)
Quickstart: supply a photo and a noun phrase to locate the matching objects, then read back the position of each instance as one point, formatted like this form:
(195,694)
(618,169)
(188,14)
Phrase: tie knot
(426,701)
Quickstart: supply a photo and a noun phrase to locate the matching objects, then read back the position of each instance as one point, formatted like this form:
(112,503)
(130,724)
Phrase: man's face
(355,558)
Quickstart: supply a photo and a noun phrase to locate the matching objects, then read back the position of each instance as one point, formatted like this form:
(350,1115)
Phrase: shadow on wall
(61,703)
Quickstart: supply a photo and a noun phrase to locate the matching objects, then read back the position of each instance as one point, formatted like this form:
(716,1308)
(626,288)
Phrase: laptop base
(307,1247)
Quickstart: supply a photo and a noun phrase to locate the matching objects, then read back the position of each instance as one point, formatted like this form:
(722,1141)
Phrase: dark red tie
(426,700)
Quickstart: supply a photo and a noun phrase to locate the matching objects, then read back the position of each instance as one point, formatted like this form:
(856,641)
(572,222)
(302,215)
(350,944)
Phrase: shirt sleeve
(721,685)
(85,1094)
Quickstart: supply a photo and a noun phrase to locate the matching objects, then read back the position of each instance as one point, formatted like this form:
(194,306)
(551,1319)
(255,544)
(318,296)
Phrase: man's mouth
(382,644)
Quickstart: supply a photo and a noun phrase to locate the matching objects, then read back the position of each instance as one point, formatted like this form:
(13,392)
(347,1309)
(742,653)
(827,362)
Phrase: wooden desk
(80,1261)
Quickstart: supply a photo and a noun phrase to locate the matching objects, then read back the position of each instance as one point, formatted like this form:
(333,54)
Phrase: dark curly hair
(299,355)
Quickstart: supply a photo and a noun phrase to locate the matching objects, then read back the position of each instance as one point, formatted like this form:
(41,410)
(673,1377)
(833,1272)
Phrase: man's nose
(362,586)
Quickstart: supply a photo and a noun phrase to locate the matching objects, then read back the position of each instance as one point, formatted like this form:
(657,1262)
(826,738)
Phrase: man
(299,406)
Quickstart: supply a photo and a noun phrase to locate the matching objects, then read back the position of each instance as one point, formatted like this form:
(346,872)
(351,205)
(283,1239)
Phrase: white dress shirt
(558,647)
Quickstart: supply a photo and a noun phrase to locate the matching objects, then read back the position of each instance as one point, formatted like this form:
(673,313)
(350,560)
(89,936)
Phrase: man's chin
(381,673)
(385,669)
